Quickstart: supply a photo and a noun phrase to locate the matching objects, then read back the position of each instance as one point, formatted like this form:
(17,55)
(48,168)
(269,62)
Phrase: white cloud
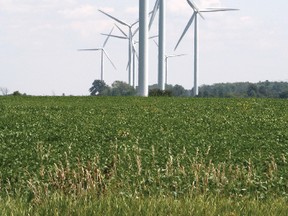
(132,10)
(88,29)
(80,12)
(209,3)
(107,9)
(177,6)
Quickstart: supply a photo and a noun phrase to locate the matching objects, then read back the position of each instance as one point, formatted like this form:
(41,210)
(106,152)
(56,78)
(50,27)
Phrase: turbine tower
(161,5)
(130,44)
(143,48)
(195,17)
(103,52)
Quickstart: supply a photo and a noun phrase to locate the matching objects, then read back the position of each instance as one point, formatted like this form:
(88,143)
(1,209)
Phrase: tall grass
(115,205)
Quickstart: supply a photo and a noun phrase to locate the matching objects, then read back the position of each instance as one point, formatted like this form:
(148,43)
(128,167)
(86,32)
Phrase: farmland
(143,147)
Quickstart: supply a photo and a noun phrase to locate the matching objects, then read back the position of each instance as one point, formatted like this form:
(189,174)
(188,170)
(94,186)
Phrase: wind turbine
(130,44)
(195,17)
(134,50)
(166,62)
(134,53)
(103,52)
(161,6)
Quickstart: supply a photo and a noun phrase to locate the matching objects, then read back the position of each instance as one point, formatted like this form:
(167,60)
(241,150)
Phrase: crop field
(143,147)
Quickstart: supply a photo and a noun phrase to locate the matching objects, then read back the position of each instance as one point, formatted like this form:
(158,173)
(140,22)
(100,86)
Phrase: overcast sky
(39,41)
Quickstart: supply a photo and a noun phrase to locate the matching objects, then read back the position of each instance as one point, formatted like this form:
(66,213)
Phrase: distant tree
(154,86)
(98,87)
(283,95)
(252,90)
(178,91)
(263,91)
(4,91)
(17,93)
(120,88)
(244,89)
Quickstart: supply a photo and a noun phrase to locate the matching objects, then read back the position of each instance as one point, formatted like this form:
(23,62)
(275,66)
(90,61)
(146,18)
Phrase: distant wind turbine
(166,63)
(195,17)
(103,52)
(134,53)
(130,44)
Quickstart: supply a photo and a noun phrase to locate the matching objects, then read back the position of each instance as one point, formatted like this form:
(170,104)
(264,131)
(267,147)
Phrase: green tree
(98,88)
(178,91)
(283,94)
(252,90)
(120,88)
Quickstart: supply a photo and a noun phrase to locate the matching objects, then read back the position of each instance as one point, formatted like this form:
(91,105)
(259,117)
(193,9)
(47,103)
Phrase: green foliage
(114,204)
(283,94)
(120,88)
(245,89)
(98,88)
(160,93)
(143,147)
(17,93)
(170,90)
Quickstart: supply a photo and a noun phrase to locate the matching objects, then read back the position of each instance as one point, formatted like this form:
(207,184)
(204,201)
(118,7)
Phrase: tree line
(246,89)
(239,89)
(264,89)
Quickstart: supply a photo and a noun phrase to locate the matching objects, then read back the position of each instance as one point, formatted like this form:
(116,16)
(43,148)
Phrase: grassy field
(117,153)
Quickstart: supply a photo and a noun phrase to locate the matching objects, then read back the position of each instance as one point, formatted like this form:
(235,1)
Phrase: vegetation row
(143,148)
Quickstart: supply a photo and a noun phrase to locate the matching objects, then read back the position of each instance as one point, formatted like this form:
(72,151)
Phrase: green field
(143,148)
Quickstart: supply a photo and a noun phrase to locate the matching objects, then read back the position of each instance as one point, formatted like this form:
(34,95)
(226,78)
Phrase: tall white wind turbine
(161,6)
(103,52)
(143,48)
(195,17)
(130,44)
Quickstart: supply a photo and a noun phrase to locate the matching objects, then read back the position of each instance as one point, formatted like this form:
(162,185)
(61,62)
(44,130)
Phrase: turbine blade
(135,32)
(109,59)
(153,14)
(96,49)
(135,52)
(114,18)
(186,29)
(152,37)
(121,30)
(115,36)
(171,56)
(108,37)
(218,10)
(128,65)
(193,6)
(133,46)
(135,23)
(156,43)
(201,15)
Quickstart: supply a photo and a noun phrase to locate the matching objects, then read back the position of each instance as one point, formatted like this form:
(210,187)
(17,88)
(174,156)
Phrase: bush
(160,93)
